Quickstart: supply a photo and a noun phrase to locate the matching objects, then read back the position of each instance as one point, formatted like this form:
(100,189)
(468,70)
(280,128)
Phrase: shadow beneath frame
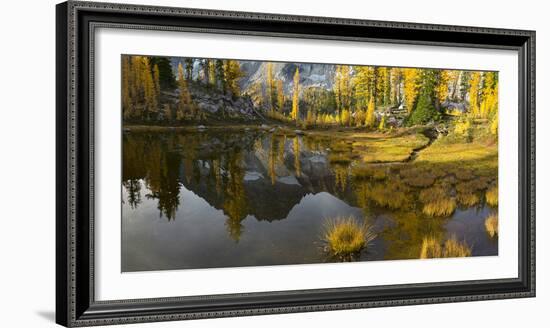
(48,315)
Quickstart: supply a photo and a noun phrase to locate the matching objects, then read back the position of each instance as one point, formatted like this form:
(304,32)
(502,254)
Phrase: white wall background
(27,161)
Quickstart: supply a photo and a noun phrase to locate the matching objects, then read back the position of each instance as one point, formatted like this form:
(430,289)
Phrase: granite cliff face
(253,84)
(311,75)
(255,72)
(319,76)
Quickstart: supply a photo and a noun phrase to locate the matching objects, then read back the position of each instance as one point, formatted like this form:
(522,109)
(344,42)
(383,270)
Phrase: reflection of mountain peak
(241,174)
(264,200)
(267,199)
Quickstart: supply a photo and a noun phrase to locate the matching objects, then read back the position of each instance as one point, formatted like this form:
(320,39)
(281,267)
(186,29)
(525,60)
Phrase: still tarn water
(252,198)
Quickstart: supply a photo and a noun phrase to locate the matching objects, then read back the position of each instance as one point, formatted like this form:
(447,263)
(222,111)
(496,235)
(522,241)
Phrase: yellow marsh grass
(388,149)
(477,157)
(442,151)
(491,225)
(432,248)
(491,196)
(454,248)
(441,207)
(467,198)
(437,202)
(345,236)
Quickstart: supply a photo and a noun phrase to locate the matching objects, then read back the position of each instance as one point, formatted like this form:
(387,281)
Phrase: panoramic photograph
(234,163)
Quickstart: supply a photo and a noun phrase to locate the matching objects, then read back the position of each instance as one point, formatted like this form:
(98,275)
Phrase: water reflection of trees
(133,189)
(163,182)
(132,171)
(214,166)
(341,173)
(296,152)
(165,162)
(235,202)
(147,159)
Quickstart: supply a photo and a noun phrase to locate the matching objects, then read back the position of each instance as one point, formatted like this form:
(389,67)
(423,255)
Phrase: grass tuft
(454,248)
(491,196)
(491,225)
(437,202)
(441,207)
(346,237)
(467,198)
(432,248)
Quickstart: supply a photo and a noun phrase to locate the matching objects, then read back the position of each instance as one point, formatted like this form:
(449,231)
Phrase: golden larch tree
(382,124)
(232,73)
(442,87)
(156,79)
(280,96)
(150,93)
(473,93)
(270,86)
(411,87)
(212,72)
(370,118)
(127,104)
(362,83)
(184,108)
(345,117)
(345,86)
(381,84)
(489,103)
(387,78)
(342,87)
(295,114)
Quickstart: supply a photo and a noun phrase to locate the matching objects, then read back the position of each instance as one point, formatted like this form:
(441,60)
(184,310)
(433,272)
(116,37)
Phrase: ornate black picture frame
(75,301)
